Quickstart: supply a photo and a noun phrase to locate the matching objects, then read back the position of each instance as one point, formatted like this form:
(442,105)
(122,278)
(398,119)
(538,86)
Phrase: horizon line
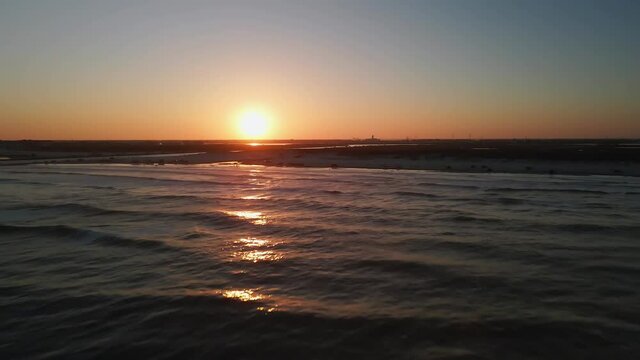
(339,139)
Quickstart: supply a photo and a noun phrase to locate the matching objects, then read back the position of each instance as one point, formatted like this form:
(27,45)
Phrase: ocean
(244,262)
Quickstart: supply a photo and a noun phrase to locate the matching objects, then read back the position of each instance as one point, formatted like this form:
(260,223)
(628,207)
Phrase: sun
(253,123)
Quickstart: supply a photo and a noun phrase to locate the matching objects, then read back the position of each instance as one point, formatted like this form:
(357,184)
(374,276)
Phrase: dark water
(252,262)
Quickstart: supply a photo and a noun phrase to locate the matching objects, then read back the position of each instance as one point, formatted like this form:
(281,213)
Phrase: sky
(319,69)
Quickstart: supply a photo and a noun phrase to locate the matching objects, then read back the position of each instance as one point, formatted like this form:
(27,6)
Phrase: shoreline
(604,157)
(336,161)
(459,165)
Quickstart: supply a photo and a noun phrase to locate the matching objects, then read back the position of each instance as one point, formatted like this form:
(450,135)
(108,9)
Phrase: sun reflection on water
(255,217)
(246,295)
(242,295)
(249,250)
(265,309)
(253,197)
(253,242)
(257,255)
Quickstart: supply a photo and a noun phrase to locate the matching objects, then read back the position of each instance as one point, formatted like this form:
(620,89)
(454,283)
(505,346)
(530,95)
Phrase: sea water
(213,261)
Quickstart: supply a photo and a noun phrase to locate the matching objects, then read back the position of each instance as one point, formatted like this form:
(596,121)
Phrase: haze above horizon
(319,69)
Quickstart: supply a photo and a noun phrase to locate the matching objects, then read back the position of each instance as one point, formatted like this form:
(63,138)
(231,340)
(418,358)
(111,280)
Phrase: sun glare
(253,123)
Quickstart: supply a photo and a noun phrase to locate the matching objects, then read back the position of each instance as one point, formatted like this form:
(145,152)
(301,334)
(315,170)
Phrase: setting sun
(253,123)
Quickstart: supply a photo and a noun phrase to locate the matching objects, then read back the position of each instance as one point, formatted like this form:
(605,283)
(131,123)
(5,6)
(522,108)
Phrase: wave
(177,197)
(589,228)
(328,179)
(24,182)
(86,210)
(218,218)
(195,235)
(304,203)
(469,218)
(454,186)
(613,268)
(85,235)
(487,251)
(99,187)
(598,206)
(403,266)
(313,232)
(332,192)
(206,182)
(445,276)
(415,194)
(28,182)
(509,201)
(582,227)
(569,191)
(147,169)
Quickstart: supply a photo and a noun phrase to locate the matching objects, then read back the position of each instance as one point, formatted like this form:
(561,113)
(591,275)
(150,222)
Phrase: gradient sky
(323,69)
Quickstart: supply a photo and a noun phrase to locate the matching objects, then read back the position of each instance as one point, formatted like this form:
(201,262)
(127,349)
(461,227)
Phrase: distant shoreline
(571,157)
(446,164)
